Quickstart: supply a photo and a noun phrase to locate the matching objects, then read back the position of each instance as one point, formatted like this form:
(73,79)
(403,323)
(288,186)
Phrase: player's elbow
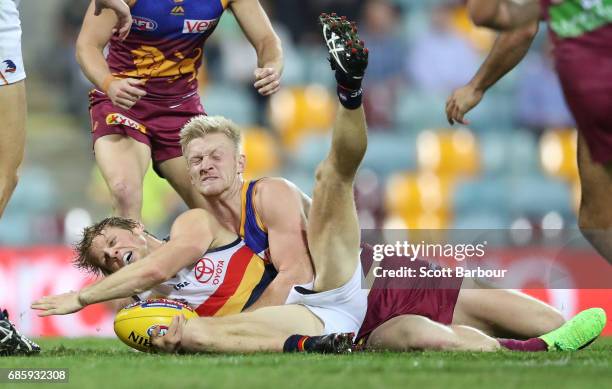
(482,16)
(527,33)
(82,51)
(483,19)
(154,276)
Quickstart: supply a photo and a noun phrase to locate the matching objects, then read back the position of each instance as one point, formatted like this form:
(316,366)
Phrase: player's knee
(124,193)
(329,171)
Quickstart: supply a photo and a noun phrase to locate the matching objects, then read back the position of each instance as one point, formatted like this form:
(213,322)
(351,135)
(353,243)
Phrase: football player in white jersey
(12,99)
(13,92)
(12,135)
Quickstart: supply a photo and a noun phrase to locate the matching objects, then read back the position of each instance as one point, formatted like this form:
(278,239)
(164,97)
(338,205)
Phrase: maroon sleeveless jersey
(165,45)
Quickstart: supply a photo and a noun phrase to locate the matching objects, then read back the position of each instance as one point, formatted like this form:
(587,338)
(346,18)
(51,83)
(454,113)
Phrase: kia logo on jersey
(198,26)
(143,24)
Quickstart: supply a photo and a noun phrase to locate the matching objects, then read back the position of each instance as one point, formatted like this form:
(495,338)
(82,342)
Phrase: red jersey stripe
(233,275)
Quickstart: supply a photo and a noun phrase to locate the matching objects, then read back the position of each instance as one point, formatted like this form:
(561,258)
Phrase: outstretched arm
(508,51)
(191,236)
(504,14)
(258,30)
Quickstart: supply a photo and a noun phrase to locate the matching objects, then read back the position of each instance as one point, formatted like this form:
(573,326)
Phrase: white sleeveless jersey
(223,281)
(11,61)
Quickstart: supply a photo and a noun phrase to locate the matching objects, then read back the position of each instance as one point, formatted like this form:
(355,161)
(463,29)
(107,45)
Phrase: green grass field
(107,363)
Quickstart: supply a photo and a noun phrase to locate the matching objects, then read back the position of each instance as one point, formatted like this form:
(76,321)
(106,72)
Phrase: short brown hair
(83,259)
(202,125)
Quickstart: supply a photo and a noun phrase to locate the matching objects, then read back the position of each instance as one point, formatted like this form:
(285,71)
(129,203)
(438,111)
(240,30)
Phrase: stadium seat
(558,153)
(293,111)
(495,112)
(235,103)
(36,192)
(310,151)
(448,152)
(262,153)
(15,228)
(410,195)
(488,195)
(481,221)
(508,153)
(388,153)
(417,110)
(538,195)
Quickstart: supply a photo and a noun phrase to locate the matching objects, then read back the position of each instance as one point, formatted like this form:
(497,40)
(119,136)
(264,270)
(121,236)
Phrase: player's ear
(241,163)
(139,229)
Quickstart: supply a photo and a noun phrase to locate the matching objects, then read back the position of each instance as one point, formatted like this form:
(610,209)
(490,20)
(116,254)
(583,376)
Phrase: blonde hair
(200,126)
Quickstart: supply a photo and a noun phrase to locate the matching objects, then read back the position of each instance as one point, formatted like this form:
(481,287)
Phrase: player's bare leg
(412,332)
(505,313)
(595,215)
(265,329)
(176,172)
(123,162)
(12,142)
(333,226)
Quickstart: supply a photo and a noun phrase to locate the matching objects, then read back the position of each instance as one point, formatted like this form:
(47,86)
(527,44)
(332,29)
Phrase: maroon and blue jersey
(165,45)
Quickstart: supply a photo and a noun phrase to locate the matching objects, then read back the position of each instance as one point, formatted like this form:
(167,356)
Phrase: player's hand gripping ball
(134,324)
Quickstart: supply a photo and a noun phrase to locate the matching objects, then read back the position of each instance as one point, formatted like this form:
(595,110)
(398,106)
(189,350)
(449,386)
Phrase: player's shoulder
(194,218)
(270,189)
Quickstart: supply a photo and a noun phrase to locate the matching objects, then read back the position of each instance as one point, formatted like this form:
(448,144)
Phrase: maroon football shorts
(434,298)
(155,123)
(586,79)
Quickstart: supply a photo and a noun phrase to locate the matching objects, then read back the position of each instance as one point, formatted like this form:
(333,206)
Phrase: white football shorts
(11,61)
(341,310)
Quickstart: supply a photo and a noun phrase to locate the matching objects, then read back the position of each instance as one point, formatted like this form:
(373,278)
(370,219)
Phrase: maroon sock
(529,345)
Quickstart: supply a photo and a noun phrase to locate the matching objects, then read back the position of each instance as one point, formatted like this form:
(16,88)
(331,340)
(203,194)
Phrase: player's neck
(227,207)
(153,243)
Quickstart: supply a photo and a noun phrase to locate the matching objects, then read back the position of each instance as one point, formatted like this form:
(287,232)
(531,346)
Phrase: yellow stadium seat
(558,153)
(262,153)
(448,152)
(420,200)
(294,112)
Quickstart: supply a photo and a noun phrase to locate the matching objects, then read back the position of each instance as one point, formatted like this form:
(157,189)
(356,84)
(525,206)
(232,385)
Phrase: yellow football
(134,324)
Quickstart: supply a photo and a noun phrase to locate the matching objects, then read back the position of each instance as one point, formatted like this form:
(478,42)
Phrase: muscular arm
(95,33)
(280,207)
(504,14)
(508,51)
(257,28)
(192,234)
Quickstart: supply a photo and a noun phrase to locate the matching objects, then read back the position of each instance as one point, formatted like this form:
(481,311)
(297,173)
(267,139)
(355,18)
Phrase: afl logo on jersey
(143,24)
(198,26)
(9,66)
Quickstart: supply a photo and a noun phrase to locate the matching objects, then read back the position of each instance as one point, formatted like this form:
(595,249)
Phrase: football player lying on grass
(335,304)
